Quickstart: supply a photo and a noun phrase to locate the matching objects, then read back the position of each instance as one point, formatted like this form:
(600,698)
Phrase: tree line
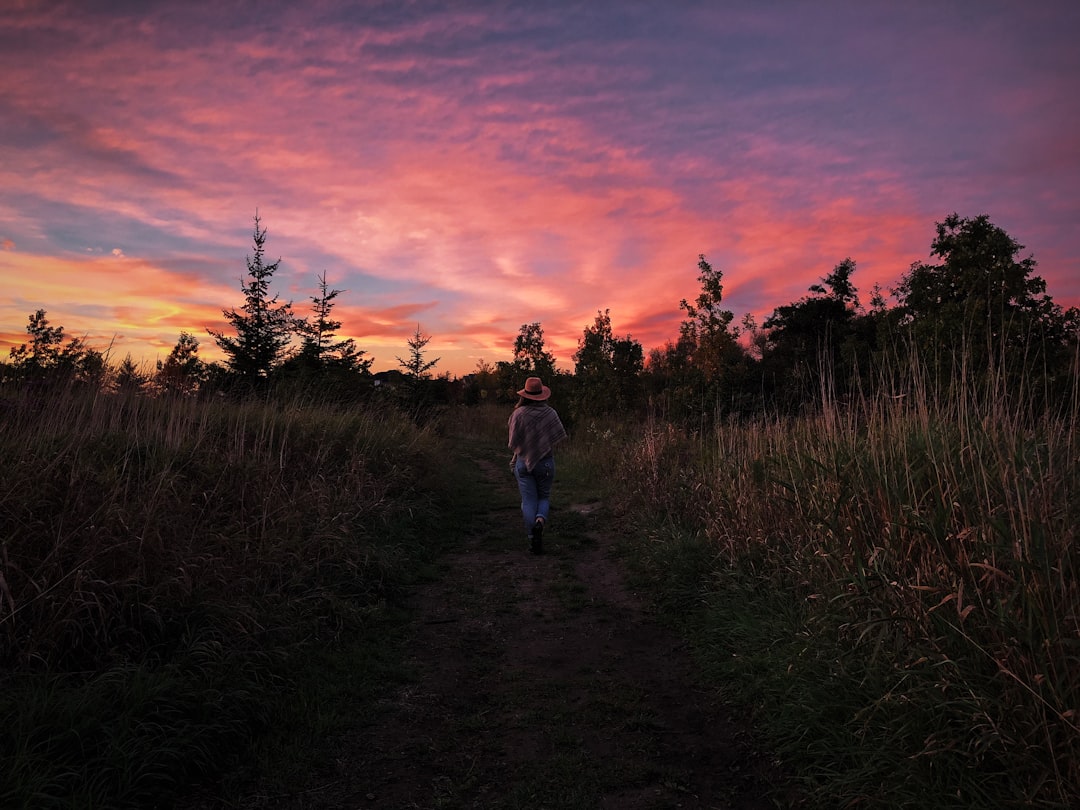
(267,342)
(976,315)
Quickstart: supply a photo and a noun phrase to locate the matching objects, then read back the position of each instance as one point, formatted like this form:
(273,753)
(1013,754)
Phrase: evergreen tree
(263,327)
(129,377)
(416,367)
(182,371)
(319,346)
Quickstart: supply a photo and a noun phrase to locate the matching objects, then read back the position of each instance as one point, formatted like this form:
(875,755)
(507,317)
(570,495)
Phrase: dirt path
(541,682)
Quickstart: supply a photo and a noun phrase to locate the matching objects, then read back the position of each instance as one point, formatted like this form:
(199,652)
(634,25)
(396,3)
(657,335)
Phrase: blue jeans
(535,490)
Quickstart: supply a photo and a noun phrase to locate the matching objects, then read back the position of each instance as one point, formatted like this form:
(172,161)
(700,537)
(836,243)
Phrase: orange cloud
(126,304)
(447,174)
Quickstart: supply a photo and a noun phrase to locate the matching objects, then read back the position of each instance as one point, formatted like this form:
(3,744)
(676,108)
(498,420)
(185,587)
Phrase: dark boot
(537,541)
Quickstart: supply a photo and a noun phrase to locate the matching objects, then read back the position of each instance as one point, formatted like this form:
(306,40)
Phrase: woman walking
(535,429)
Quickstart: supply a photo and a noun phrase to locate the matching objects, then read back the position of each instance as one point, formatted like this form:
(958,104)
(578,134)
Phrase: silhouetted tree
(130,378)
(46,357)
(182,372)
(320,348)
(531,358)
(809,348)
(705,371)
(607,369)
(708,325)
(264,327)
(481,384)
(981,309)
(417,368)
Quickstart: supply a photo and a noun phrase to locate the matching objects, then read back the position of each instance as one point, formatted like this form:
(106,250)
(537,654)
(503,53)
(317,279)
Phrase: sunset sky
(474,166)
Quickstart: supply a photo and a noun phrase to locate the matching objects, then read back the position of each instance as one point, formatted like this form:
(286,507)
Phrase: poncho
(534,432)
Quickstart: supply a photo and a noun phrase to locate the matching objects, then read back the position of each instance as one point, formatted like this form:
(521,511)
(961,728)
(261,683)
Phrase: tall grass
(925,547)
(161,561)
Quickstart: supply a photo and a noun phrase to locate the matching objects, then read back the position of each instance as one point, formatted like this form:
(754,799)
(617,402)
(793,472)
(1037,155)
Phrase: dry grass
(161,558)
(932,540)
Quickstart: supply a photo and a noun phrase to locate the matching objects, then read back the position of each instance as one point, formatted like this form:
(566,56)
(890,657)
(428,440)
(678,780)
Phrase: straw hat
(535,390)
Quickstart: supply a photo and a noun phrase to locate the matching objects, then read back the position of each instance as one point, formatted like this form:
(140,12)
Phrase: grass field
(173,569)
(892,583)
(195,590)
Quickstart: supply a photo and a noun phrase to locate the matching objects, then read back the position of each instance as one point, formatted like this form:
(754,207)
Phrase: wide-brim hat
(534,389)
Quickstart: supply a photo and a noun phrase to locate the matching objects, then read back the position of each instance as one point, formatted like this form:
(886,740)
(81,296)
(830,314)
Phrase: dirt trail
(542,682)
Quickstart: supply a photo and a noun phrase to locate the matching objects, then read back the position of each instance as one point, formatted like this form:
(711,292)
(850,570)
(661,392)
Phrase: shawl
(534,432)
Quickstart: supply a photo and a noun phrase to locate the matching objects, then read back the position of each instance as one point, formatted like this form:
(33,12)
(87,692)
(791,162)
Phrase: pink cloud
(437,160)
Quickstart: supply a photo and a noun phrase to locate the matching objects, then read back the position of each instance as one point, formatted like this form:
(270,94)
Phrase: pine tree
(129,377)
(319,347)
(182,371)
(264,327)
(416,367)
(417,370)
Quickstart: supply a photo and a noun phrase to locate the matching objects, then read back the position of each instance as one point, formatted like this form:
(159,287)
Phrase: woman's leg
(544,475)
(527,487)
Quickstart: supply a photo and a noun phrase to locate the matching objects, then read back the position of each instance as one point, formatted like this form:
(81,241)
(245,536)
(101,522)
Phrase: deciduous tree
(808,345)
(705,370)
(530,355)
(708,325)
(607,369)
(981,307)
(46,357)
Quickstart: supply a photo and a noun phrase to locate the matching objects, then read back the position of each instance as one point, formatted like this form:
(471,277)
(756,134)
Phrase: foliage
(530,356)
(263,327)
(167,567)
(129,377)
(815,343)
(481,384)
(607,369)
(904,571)
(708,324)
(531,359)
(182,371)
(705,372)
(46,359)
(319,347)
(419,388)
(417,367)
(325,366)
(981,309)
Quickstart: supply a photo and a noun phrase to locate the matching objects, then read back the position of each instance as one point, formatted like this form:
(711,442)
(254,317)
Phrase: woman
(535,429)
